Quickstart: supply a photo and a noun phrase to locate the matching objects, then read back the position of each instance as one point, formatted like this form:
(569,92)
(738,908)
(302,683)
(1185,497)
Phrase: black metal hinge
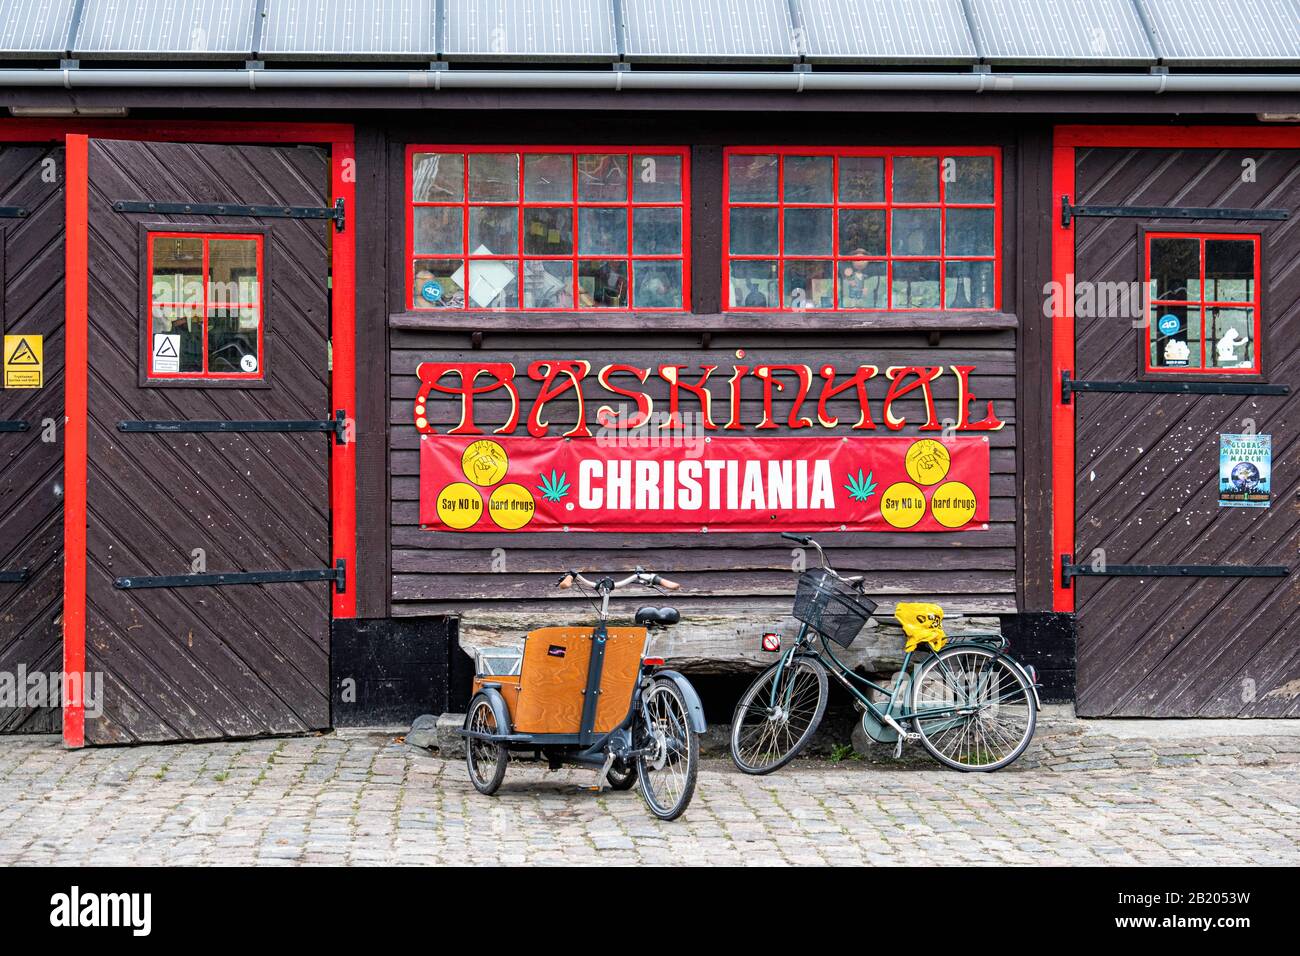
(334,212)
(338,426)
(13,212)
(1070,570)
(338,574)
(1069,385)
(15,577)
(10,425)
(1069,211)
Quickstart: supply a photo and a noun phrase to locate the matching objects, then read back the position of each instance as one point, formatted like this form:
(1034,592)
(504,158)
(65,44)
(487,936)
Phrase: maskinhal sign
(699,476)
(733,484)
(572,382)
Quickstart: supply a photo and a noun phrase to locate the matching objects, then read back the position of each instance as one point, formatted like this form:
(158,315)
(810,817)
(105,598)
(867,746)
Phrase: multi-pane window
(547,229)
(1203,312)
(205,312)
(862,229)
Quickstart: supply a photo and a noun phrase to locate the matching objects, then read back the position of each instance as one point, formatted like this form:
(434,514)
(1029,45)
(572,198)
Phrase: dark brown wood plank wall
(1147,465)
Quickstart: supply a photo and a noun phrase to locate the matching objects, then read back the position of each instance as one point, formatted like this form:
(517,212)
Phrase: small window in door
(206,306)
(1204,303)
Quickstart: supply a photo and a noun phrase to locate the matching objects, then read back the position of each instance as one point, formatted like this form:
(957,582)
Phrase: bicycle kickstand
(603,779)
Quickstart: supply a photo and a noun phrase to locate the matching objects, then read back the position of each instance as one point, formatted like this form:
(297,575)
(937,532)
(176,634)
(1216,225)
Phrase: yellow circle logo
(484,462)
(511,506)
(460,505)
(953,504)
(927,461)
(902,504)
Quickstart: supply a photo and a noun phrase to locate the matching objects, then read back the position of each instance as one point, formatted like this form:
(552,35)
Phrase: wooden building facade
(317,370)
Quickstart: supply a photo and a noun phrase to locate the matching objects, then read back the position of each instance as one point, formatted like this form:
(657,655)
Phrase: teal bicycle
(970,704)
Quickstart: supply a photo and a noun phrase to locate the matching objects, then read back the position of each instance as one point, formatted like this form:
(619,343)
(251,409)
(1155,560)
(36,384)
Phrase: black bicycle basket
(831,607)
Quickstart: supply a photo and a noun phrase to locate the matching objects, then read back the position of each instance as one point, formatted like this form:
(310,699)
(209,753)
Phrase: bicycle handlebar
(808,542)
(639,576)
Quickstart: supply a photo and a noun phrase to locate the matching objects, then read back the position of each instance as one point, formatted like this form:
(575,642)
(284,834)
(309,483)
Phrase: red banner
(715,483)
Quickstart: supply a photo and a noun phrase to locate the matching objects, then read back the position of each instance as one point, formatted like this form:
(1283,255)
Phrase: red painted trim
(206,374)
(1179,137)
(76,335)
(1066,139)
(520,257)
(1202,305)
(887,205)
(343,459)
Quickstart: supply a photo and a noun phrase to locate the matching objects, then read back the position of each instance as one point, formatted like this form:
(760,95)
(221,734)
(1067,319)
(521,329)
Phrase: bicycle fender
(693,706)
(499,710)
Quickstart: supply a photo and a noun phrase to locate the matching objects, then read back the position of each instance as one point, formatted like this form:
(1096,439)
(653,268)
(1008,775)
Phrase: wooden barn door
(1186,608)
(208,577)
(31,437)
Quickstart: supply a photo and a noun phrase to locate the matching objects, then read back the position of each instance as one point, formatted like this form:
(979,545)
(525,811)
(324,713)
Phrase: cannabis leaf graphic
(554,488)
(859,488)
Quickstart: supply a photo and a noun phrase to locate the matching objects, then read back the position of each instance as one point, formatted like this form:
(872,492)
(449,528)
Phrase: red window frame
(206,374)
(889,154)
(519,257)
(1202,304)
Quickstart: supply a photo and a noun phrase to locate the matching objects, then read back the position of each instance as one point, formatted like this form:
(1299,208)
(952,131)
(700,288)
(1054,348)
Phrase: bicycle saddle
(657,616)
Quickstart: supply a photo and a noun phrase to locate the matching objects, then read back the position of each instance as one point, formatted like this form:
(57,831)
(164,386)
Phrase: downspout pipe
(759,81)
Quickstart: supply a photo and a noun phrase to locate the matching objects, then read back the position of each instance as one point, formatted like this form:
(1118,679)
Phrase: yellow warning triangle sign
(23,355)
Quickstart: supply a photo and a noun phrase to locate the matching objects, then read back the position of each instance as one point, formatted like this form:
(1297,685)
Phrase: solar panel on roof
(202,29)
(35,27)
(753,30)
(514,29)
(1221,32)
(1060,31)
(349,29)
(898,31)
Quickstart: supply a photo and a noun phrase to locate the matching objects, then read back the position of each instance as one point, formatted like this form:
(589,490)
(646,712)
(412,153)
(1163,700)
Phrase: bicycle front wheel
(983,708)
(778,714)
(670,752)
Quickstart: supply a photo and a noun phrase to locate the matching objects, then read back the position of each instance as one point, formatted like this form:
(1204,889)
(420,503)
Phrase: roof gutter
(763,81)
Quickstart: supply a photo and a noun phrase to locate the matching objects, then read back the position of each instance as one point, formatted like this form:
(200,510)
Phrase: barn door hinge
(15,577)
(13,212)
(1069,385)
(1070,570)
(337,426)
(338,574)
(1069,211)
(334,212)
(14,425)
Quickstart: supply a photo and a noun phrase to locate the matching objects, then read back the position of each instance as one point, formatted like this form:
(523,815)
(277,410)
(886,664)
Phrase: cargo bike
(970,704)
(589,696)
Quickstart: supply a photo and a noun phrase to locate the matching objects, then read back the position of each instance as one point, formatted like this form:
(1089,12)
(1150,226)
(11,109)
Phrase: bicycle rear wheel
(991,704)
(777,715)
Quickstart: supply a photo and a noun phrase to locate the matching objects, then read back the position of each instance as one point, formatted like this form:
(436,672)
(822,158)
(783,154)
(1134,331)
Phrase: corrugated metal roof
(35,27)
(886,31)
(530,29)
(1078,33)
(1225,32)
(193,29)
(669,30)
(1060,31)
(323,29)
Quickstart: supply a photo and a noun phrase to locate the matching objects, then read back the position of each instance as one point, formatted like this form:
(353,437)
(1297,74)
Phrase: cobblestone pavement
(366,799)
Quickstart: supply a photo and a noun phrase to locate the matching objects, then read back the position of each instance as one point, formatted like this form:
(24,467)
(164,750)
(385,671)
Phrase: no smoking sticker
(24,361)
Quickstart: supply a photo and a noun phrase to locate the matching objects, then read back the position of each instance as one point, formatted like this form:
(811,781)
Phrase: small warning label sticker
(166,352)
(24,365)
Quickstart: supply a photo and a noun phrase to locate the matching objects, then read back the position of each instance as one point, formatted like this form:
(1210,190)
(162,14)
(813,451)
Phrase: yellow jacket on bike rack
(923,624)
